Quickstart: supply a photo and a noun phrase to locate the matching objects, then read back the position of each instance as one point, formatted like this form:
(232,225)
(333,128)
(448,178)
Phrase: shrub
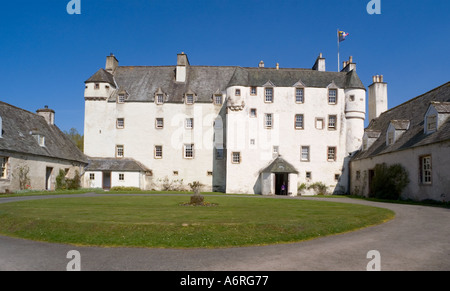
(61,180)
(319,187)
(301,188)
(62,183)
(389,181)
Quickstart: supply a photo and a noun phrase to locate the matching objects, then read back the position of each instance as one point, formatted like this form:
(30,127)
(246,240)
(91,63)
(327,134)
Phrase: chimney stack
(319,65)
(349,65)
(111,64)
(261,64)
(378,97)
(278,66)
(48,114)
(182,65)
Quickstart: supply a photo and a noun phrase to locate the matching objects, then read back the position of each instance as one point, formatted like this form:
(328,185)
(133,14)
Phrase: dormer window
(332,96)
(96,86)
(40,139)
(370,136)
(395,130)
(159,98)
(218,100)
(121,98)
(268,95)
(436,115)
(189,98)
(299,95)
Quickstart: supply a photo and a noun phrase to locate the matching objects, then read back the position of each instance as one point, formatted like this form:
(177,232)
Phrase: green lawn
(160,221)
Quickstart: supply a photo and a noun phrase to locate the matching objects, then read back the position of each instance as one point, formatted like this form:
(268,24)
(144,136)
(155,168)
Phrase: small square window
(91,176)
(253,91)
(253,112)
(121,177)
(319,123)
(331,154)
(336,177)
(252,141)
(235,157)
(120,151)
(96,86)
(189,123)
(237,92)
(209,173)
(276,149)
(121,98)
(159,123)
(175,173)
(308,175)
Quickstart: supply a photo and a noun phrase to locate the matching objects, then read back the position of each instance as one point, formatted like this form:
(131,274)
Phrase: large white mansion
(234,129)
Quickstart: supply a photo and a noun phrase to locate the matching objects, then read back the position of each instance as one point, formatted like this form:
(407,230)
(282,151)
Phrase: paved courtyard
(416,239)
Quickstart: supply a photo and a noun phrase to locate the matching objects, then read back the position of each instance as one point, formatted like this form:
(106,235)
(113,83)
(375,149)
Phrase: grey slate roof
(442,107)
(18,127)
(113,164)
(101,76)
(413,110)
(279,165)
(141,82)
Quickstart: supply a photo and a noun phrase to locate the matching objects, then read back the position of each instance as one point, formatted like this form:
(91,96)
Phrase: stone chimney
(111,64)
(261,64)
(319,65)
(277,66)
(349,65)
(378,97)
(48,114)
(182,67)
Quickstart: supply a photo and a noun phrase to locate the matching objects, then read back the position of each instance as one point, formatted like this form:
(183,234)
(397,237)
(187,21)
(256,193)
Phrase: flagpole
(339,61)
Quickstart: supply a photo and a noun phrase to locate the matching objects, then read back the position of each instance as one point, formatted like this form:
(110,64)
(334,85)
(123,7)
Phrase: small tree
(61,180)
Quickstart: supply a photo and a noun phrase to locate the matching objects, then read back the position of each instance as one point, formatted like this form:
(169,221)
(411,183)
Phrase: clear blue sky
(47,54)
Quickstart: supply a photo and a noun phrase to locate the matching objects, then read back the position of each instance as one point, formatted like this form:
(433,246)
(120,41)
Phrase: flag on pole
(342,35)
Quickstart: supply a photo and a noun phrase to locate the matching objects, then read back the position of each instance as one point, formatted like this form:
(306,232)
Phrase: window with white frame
(304,154)
(331,154)
(268,95)
(4,168)
(299,95)
(121,177)
(120,123)
(253,91)
(299,121)
(332,121)
(235,157)
(159,123)
(332,96)
(189,151)
(120,151)
(91,176)
(268,120)
(158,152)
(425,169)
(237,92)
(253,112)
(189,98)
(159,98)
(189,123)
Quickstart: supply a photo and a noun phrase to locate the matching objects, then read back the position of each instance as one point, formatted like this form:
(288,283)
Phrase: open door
(48,175)
(281,180)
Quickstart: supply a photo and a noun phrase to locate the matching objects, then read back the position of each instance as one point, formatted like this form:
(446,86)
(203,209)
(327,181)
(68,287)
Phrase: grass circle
(160,221)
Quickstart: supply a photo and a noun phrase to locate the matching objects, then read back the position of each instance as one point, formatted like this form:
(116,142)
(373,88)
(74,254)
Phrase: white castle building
(234,129)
